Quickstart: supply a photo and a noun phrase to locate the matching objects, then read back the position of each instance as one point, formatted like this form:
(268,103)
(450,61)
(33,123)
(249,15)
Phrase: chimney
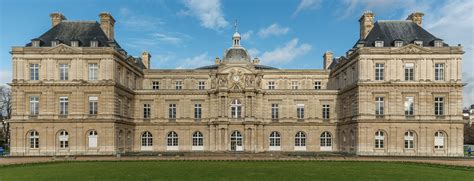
(107,24)
(366,23)
(328,56)
(416,17)
(146,59)
(56,18)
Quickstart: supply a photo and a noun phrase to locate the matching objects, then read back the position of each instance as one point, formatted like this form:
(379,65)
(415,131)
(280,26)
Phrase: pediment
(61,49)
(411,49)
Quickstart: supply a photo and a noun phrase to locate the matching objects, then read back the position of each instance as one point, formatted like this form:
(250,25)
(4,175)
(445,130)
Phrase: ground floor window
(236,143)
(300,139)
(409,138)
(275,139)
(379,139)
(198,139)
(63,139)
(326,141)
(172,139)
(147,139)
(439,140)
(34,139)
(92,139)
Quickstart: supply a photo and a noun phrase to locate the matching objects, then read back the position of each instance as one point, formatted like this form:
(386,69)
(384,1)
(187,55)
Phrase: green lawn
(234,170)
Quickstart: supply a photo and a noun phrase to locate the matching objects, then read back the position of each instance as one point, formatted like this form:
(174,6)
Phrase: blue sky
(191,33)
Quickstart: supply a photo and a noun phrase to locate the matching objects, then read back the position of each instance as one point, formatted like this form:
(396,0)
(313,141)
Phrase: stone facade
(112,103)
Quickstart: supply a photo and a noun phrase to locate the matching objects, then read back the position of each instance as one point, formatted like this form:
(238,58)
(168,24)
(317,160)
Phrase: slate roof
(82,31)
(404,30)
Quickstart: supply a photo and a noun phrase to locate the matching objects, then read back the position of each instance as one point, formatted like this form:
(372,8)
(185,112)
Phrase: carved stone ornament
(236,79)
(412,49)
(61,49)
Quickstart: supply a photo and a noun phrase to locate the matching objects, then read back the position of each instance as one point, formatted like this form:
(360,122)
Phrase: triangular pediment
(411,49)
(61,49)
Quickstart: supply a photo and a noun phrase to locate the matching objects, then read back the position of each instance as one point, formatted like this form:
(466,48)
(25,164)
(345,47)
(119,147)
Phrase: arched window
(379,139)
(63,139)
(198,139)
(236,109)
(236,141)
(439,140)
(147,141)
(34,139)
(92,138)
(300,139)
(326,141)
(274,140)
(172,139)
(409,138)
(120,138)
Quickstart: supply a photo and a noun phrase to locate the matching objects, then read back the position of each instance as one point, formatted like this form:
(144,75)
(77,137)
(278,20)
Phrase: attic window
(54,43)
(398,43)
(419,43)
(94,43)
(378,43)
(438,43)
(35,43)
(75,43)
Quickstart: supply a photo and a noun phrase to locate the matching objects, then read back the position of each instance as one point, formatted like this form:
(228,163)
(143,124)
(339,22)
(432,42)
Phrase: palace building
(396,92)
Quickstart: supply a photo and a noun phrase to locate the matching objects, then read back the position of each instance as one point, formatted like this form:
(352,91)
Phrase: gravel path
(444,161)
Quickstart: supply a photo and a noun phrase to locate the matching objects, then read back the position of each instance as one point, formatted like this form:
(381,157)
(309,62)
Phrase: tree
(5,112)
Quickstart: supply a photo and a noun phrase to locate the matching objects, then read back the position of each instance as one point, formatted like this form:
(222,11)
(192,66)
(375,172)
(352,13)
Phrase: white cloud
(136,22)
(285,54)
(247,35)
(200,60)
(208,12)
(253,52)
(167,38)
(307,4)
(273,30)
(5,77)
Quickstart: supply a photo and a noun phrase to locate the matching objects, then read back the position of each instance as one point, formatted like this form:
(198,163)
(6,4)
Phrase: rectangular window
(409,106)
(146,111)
(378,43)
(93,71)
(179,85)
(197,111)
(379,106)
(379,71)
(326,111)
(398,43)
(63,105)
(271,85)
(274,111)
(172,111)
(63,71)
(317,85)
(409,71)
(201,85)
(439,71)
(294,85)
(300,111)
(439,106)
(34,71)
(93,105)
(155,85)
(34,105)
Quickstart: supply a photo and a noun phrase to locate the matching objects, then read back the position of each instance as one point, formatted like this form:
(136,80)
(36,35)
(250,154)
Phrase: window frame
(439,106)
(409,71)
(93,71)
(155,85)
(197,111)
(379,71)
(379,105)
(34,105)
(34,139)
(93,105)
(172,111)
(271,85)
(63,105)
(379,139)
(439,71)
(34,71)
(146,111)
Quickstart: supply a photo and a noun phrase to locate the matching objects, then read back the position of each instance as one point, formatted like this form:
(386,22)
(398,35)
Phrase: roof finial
(235,25)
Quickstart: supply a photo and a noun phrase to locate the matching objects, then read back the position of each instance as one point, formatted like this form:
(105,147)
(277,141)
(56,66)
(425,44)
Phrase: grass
(233,170)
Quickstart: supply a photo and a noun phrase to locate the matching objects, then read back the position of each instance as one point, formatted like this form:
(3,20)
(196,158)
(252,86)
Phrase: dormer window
(54,43)
(398,43)
(378,43)
(75,43)
(419,43)
(35,43)
(438,43)
(94,43)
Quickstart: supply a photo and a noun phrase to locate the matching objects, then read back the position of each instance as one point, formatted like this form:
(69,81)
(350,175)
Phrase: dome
(236,35)
(235,54)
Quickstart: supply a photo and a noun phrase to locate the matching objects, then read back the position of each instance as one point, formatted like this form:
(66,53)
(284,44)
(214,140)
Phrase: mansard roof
(82,31)
(389,31)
